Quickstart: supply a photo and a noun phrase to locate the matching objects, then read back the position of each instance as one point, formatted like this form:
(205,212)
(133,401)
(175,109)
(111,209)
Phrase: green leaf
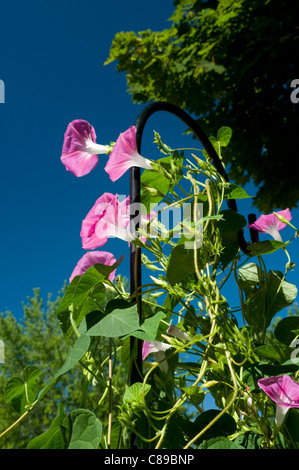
(118,322)
(195,393)
(53,437)
(285,330)
(220,443)
(250,440)
(22,393)
(265,247)
(181,263)
(280,353)
(75,354)
(154,186)
(280,293)
(149,328)
(249,277)
(85,294)
(224,135)
(85,430)
(224,426)
(107,270)
(292,425)
(233,191)
(229,228)
(266,294)
(190,320)
(80,429)
(134,393)
(176,432)
(13,388)
(126,353)
(170,302)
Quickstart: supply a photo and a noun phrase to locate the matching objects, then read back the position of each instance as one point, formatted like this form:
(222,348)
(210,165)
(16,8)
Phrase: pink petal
(124,155)
(271,224)
(91,258)
(147,349)
(157,347)
(90,241)
(79,163)
(80,150)
(283,390)
(124,212)
(107,218)
(286,213)
(77,132)
(263,223)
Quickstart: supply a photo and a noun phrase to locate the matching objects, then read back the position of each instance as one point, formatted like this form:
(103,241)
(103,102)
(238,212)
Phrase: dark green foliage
(228,63)
(37,339)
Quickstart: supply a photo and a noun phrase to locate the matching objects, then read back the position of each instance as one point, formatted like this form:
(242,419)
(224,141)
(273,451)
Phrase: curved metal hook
(135,254)
(201,136)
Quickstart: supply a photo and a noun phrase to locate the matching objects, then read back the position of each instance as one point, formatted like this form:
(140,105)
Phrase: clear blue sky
(52,56)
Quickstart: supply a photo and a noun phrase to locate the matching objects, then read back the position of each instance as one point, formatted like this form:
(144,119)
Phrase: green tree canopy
(37,339)
(228,63)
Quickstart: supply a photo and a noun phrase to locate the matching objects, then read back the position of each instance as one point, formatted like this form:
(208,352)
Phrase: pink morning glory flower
(271,224)
(80,150)
(91,258)
(158,349)
(107,218)
(124,155)
(284,391)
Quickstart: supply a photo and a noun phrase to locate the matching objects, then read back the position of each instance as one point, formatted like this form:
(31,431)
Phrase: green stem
(110,396)
(224,409)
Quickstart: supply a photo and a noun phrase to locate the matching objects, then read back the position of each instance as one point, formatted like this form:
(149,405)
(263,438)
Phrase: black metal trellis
(135,253)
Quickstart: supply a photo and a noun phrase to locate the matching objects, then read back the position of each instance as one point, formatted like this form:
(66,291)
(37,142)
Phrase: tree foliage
(229,63)
(37,339)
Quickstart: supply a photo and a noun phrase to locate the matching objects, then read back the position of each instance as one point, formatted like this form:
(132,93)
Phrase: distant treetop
(228,63)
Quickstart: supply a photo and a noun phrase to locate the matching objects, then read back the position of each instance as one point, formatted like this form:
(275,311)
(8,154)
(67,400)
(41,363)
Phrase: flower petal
(157,346)
(124,155)
(280,414)
(91,258)
(283,390)
(286,213)
(77,132)
(271,224)
(80,150)
(79,163)
(107,218)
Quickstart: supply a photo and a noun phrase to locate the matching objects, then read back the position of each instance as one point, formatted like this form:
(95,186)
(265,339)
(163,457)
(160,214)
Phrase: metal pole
(135,254)
(135,278)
